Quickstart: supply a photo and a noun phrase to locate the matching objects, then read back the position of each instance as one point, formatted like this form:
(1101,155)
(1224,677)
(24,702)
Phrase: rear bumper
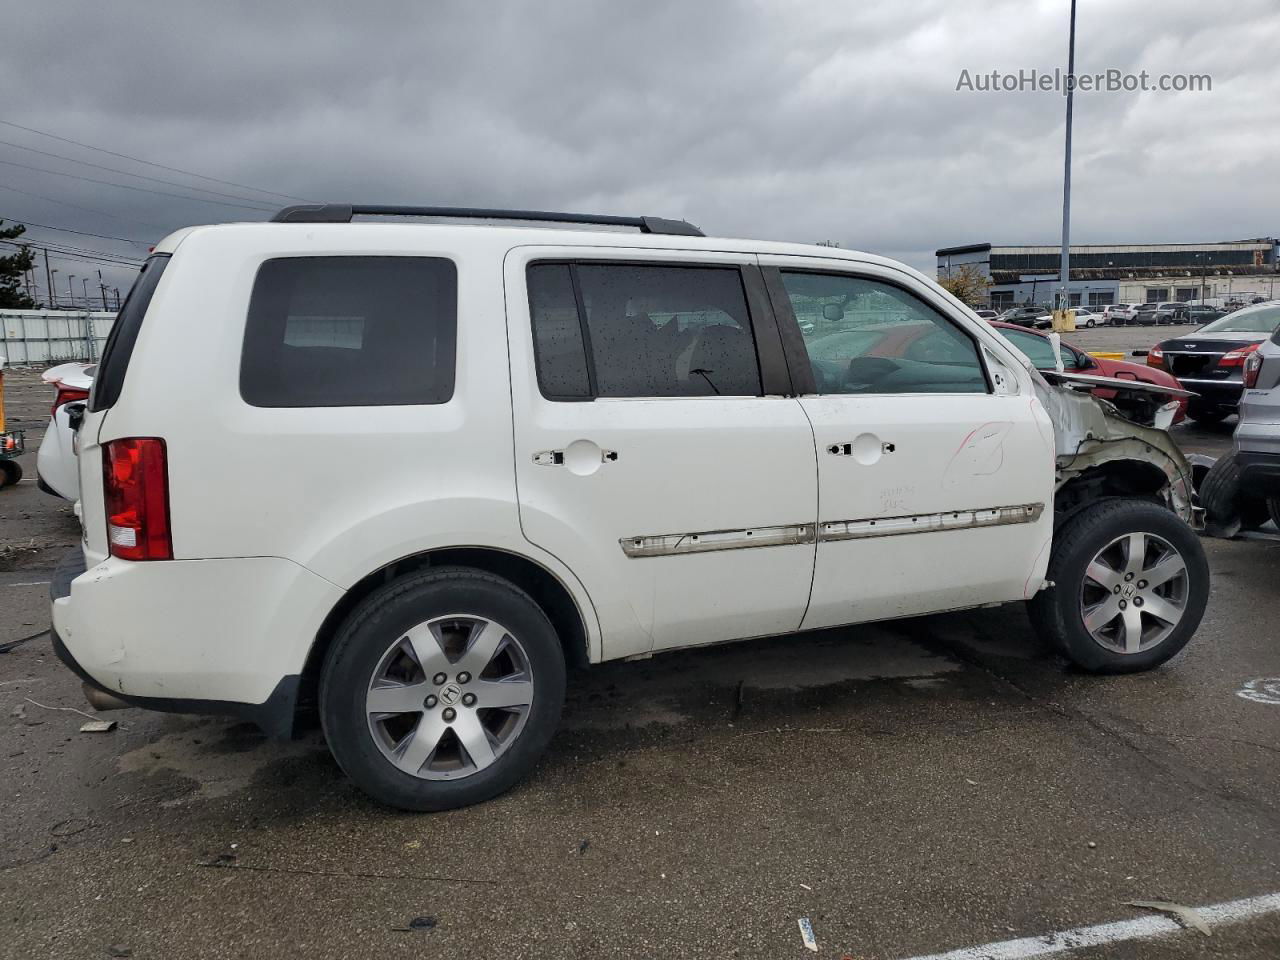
(1225,393)
(1259,473)
(192,636)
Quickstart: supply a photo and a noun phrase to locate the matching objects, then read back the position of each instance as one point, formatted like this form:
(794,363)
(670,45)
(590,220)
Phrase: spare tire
(1224,504)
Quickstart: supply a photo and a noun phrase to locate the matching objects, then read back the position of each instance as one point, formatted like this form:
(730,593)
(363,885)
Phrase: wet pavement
(910,787)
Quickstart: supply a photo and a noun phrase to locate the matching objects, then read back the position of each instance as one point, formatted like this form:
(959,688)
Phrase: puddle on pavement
(220,758)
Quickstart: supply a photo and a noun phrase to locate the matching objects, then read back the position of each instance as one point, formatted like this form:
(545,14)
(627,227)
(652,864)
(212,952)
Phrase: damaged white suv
(568,446)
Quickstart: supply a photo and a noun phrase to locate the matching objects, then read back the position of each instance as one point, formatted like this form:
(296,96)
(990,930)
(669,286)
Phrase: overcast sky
(815,120)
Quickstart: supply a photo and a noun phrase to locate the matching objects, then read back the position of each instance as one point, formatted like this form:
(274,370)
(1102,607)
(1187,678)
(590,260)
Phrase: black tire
(1224,503)
(375,624)
(1206,413)
(1056,612)
(10,473)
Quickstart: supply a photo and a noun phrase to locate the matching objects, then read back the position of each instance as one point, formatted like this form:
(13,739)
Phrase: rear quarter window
(109,375)
(350,332)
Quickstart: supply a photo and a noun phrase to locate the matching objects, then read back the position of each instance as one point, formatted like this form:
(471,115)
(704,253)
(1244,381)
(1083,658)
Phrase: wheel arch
(546,588)
(1127,477)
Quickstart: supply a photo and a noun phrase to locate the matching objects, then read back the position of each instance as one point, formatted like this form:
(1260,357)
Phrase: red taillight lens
(135,482)
(1236,358)
(1155,358)
(1252,367)
(67,395)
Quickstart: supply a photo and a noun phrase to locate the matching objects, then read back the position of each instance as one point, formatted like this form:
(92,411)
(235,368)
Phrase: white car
(573,446)
(57,471)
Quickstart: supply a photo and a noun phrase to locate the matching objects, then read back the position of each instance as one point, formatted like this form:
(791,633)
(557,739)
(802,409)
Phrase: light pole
(53,293)
(1063,299)
(84,285)
(71,290)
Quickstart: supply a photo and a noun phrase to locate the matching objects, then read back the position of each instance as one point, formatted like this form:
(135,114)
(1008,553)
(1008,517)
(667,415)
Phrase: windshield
(1264,318)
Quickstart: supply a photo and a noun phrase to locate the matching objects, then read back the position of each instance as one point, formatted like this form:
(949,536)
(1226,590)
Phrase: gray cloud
(821,119)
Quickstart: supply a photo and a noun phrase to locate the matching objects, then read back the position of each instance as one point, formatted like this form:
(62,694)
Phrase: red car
(1039,351)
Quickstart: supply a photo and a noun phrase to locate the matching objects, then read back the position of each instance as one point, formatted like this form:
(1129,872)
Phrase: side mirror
(832,312)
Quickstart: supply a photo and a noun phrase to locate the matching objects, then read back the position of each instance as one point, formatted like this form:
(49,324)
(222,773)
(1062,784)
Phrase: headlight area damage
(1116,448)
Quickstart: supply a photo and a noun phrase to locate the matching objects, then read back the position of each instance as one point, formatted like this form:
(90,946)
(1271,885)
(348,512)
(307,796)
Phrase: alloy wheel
(1134,593)
(449,697)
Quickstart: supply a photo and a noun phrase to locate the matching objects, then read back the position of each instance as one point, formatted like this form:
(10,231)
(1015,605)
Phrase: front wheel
(442,689)
(1131,582)
(1206,413)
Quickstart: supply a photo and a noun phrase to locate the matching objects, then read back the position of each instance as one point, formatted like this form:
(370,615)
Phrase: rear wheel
(1225,505)
(442,689)
(1130,586)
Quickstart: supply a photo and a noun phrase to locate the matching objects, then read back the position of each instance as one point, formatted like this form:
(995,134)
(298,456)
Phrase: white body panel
(685,465)
(928,461)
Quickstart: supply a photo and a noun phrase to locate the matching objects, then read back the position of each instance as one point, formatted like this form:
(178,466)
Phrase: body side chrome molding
(675,544)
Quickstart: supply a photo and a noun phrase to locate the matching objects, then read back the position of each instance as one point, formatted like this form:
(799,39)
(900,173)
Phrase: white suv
(566,446)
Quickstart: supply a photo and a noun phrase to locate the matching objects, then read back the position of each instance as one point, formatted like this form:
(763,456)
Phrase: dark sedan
(1211,360)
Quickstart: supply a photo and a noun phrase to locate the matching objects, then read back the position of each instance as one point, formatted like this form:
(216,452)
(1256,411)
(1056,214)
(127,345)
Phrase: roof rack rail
(343,212)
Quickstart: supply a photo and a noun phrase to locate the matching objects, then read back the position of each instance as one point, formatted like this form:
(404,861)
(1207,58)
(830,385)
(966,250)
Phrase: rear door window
(641,330)
(350,332)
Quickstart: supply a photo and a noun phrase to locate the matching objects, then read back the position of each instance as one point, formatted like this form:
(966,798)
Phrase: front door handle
(846,449)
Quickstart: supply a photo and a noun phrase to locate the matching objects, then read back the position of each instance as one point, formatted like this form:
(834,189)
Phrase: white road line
(29,583)
(1140,928)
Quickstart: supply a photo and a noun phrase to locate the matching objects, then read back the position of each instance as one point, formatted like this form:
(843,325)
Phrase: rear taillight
(67,395)
(1252,367)
(1155,358)
(1236,358)
(135,482)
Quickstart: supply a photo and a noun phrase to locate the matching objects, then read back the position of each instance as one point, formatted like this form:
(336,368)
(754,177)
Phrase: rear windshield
(1264,318)
(124,334)
(350,331)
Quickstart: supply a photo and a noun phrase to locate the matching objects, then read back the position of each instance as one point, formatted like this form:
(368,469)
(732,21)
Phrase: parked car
(1084,317)
(1120,313)
(1143,314)
(1211,360)
(1039,350)
(57,472)
(1170,312)
(987,314)
(1200,314)
(574,446)
(1242,489)
(1028,316)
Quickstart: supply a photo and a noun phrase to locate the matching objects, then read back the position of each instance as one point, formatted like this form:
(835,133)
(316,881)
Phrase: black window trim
(108,381)
(771,362)
(793,338)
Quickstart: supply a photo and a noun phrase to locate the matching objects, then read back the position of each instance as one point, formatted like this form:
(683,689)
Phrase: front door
(935,468)
(657,454)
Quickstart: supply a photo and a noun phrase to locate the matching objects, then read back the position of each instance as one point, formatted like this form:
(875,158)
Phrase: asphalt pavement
(910,788)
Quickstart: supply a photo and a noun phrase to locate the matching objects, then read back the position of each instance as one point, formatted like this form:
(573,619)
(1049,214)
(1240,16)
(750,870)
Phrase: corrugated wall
(42,337)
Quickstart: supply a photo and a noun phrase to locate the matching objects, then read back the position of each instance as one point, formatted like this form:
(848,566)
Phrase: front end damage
(1102,451)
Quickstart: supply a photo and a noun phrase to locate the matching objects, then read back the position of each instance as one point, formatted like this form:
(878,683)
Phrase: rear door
(936,474)
(657,452)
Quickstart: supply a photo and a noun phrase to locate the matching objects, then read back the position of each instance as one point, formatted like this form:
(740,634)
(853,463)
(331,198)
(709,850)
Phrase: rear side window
(109,377)
(641,330)
(350,332)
